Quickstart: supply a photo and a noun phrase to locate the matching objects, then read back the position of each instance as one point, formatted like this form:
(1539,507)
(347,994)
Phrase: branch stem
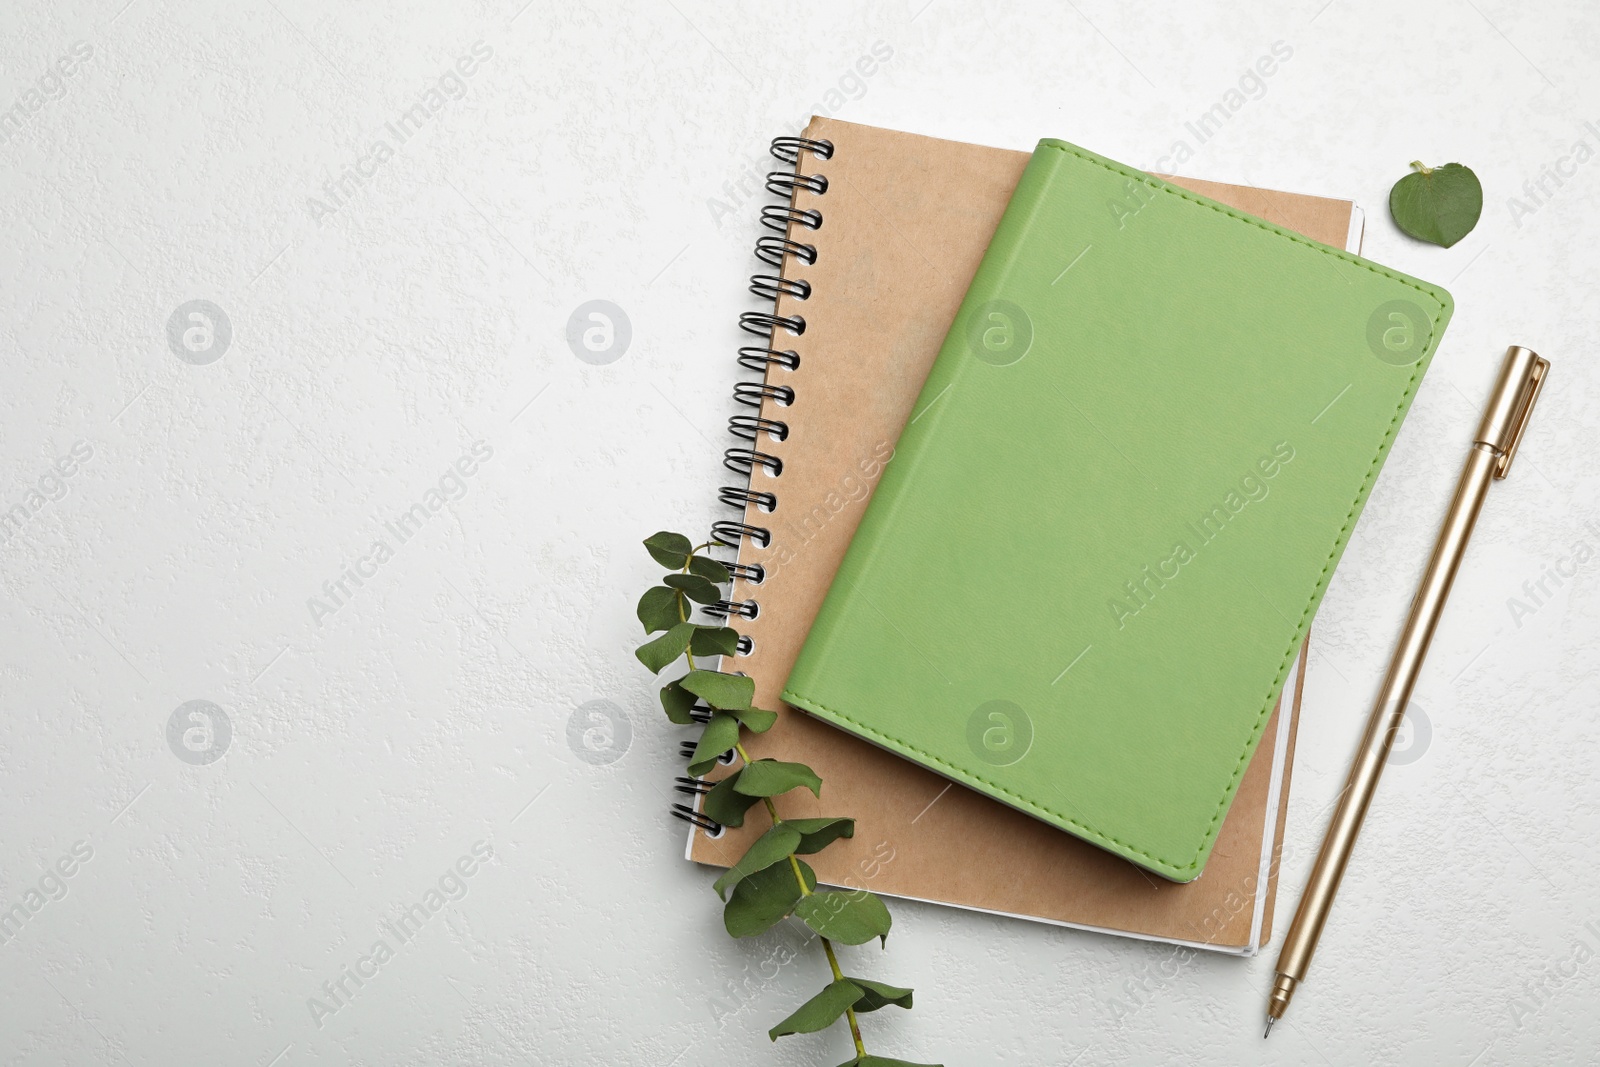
(805,891)
(849,1013)
(772,812)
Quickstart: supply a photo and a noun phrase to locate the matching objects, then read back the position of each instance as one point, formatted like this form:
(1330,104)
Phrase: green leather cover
(1117,504)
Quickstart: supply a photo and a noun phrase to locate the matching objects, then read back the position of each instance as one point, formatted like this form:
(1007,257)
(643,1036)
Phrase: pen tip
(1268,1032)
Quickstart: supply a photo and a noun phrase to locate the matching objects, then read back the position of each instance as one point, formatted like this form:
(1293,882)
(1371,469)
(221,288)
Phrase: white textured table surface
(396,283)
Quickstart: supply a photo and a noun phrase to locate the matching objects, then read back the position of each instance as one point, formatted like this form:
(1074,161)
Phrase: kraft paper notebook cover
(1116,506)
(907,219)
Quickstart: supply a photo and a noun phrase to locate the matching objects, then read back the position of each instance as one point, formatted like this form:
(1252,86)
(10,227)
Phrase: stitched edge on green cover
(1192,865)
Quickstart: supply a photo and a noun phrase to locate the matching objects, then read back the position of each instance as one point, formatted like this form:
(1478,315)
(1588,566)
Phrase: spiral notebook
(874,237)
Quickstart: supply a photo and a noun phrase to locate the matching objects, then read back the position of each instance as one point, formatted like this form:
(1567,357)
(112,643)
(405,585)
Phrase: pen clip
(1506,419)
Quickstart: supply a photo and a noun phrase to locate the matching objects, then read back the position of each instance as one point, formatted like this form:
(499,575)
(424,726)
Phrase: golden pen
(1521,378)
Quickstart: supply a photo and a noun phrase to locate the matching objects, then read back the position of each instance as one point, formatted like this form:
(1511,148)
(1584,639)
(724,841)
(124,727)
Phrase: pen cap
(1521,377)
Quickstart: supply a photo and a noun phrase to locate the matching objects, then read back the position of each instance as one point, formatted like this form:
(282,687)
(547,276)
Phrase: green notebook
(1118,501)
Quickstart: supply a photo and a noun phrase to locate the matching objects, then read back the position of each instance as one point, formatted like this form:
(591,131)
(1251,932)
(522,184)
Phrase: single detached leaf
(756,720)
(884,1061)
(1437,204)
(774,846)
(714,641)
(770,777)
(821,1011)
(677,702)
(668,549)
(879,995)
(720,734)
(709,569)
(726,691)
(694,587)
(852,917)
(818,834)
(658,609)
(666,648)
(762,900)
(725,803)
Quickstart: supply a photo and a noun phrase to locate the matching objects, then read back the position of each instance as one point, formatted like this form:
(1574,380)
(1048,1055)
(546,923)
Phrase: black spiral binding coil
(766,359)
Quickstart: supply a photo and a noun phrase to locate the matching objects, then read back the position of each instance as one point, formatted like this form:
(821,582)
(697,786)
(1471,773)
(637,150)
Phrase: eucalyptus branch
(769,883)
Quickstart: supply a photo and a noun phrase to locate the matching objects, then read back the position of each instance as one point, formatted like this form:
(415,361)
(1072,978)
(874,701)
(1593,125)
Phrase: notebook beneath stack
(876,245)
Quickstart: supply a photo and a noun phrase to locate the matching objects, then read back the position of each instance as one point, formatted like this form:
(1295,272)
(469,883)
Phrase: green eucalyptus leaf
(725,803)
(669,549)
(677,701)
(669,646)
(884,1061)
(756,720)
(1440,205)
(852,917)
(878,995)
(762,900)
(730,692)
(658,609)
(770,778)
(709,569)
(774,846)
(714,641)
(720,734)
(694,587)
(818,834)
(821,1011)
